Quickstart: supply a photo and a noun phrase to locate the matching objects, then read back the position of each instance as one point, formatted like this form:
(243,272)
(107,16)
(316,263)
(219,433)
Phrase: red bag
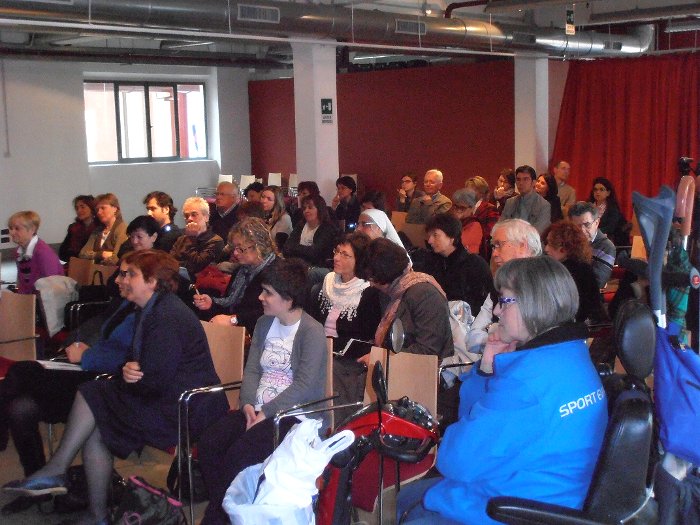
(212,281)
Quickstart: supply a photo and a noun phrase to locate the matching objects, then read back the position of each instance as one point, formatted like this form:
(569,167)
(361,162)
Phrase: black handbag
(91,293)
(145,504)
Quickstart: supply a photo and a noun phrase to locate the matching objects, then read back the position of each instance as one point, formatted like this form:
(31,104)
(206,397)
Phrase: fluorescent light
(682,27)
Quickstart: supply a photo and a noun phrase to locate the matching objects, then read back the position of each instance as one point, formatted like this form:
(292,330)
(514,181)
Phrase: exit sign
(326,111)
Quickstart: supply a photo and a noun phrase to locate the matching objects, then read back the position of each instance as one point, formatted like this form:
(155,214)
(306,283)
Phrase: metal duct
(265,17)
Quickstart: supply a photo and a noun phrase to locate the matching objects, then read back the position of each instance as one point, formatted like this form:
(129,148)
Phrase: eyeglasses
(222,194)
(497,245)
(406,181)
(588,225)
(243,249)
(505,301)
(366,224)
(460,207)
(193,214)
(342,254)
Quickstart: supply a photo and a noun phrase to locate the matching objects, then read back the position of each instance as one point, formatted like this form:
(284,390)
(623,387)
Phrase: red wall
(459,119)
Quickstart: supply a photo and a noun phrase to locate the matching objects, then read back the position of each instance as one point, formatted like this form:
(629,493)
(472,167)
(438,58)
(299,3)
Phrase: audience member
(254,250)
(35,259)
(306,188)
(408,192)
(345,204)
(198,246)
(511,408)
(375,224)
(567,194)
(414,297)
(566,243)
(222,214)
(348,308)
(463,203)
(159,205)
(510,239)
(253,191)
(462,275)
(585,215)
(103,244)
(169,355)
(485,212)
(546,187)
(505,188)
(527,205)
(142,233)
(313,239)
(286,365)
(373,199)
(612,222)
(432,203)
(79,231)
(278,219)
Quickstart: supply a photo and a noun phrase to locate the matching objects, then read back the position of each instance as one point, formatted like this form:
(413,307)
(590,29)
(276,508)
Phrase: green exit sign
(326,111)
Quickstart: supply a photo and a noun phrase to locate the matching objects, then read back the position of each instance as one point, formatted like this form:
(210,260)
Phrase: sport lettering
(582,402)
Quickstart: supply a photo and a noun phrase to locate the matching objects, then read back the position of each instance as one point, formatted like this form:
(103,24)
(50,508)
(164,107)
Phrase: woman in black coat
(313,239)
(547,187)
(115,417)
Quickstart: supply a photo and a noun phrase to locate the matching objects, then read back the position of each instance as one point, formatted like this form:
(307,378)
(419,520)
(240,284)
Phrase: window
(144,121)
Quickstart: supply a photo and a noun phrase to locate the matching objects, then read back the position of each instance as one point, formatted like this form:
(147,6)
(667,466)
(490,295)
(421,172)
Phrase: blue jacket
(109,353)
(533,429)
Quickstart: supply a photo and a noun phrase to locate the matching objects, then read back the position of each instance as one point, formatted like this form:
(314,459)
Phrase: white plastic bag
(280,490)
(461,319)
(56,292)
(238,504)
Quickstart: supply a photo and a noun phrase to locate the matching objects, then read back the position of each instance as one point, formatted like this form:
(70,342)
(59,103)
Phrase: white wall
(46,164)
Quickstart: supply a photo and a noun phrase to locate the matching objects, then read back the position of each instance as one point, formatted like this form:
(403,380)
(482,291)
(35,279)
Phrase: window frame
(176,111)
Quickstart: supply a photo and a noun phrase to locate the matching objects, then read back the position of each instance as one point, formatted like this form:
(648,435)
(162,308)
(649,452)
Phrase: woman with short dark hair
(612,221)
(534,407)
(169,355)
(286,365)
(414,297)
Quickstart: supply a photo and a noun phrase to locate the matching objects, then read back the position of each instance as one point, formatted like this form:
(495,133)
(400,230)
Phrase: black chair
(619,491)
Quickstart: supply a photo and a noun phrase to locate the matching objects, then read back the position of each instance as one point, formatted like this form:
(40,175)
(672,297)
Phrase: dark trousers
(30,394)
(225,449)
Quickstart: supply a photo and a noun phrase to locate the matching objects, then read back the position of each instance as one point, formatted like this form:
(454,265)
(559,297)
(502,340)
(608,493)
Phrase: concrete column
(532,111)
(316,131)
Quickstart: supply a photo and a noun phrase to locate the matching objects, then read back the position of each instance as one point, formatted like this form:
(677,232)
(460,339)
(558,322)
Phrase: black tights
(24,416)
(82,432)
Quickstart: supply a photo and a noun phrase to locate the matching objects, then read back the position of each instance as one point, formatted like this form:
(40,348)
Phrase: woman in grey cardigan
(286,365)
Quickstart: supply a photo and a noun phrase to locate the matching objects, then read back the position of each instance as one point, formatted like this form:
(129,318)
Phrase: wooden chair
(398,219)
(411,375)
(83,270)
(17,326)
(415,233)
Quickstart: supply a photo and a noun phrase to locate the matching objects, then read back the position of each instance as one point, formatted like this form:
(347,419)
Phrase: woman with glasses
(463,205)
(349,310)
(254,250)
(612,222)
(407,192)
(168,355)
(532,413)
(313,238)
(286,366)
(375,224)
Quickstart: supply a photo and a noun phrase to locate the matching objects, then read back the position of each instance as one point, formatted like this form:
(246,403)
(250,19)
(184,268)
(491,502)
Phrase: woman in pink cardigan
(35,258)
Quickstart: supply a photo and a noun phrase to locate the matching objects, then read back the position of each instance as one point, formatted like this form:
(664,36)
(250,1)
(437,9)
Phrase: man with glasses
(159,205)
(222,214)
(432,203)
(408,192)
(528,205)
(510,239)
(585,215)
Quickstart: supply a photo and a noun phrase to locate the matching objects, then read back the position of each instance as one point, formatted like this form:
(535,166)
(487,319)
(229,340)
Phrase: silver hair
(464,197)
(438,174)
(518,231)
(546,293)
(200,203)
(229,183)
(581,207)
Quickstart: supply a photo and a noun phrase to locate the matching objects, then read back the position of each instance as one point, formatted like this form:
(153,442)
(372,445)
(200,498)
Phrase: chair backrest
(619,485)
(80,270)
(416,234)
(17,326)
(398,219)
(411,375)
(226,344)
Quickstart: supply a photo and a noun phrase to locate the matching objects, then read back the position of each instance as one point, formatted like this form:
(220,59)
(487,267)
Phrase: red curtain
(629,120)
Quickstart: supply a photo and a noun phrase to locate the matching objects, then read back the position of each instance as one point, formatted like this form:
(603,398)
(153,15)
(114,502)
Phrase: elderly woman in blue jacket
(533,413)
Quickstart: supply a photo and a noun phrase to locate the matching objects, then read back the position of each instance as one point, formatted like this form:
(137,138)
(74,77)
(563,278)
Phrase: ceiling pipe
(507,6)
(643,15)
(460,5)
(290,20)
